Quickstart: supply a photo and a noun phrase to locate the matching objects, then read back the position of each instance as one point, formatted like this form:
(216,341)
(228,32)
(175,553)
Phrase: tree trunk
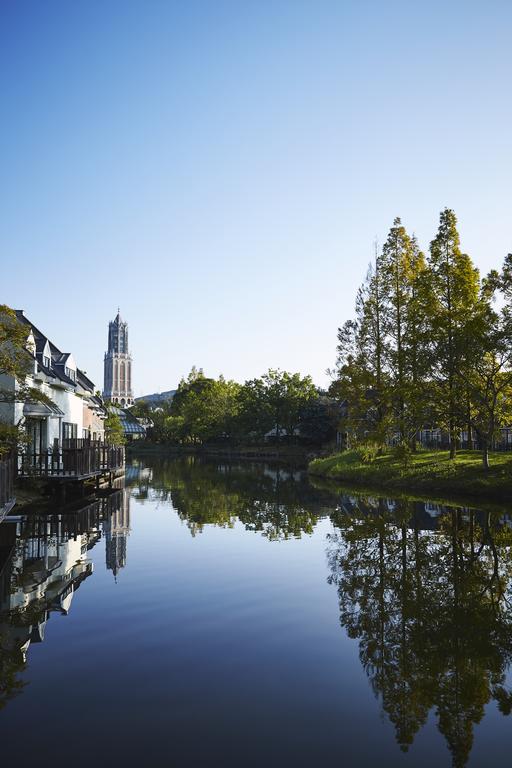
(453,444)
(485,454)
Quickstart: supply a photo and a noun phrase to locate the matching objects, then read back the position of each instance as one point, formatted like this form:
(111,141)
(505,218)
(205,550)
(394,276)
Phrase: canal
(212,614)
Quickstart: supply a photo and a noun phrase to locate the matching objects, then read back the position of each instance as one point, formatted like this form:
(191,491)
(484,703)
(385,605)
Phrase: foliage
(274,501)
(430,611)
(114,433)
(16,362)
(319,418)
(426,346)
(424,471)
(206,410)
(454,284)
(11,436)
(369,451)
(14,358)
(275,401)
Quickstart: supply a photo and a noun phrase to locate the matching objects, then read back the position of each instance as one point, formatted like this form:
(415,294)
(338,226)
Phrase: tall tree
(402,268)
(488,369)
(455,285)
(360,363)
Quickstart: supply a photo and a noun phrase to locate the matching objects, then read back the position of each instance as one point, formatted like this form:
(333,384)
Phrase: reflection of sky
(219,649)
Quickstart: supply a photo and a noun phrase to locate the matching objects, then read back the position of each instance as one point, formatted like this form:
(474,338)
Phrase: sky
(220,170)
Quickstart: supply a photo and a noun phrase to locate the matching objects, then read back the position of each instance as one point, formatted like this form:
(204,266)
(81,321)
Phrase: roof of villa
(58,358)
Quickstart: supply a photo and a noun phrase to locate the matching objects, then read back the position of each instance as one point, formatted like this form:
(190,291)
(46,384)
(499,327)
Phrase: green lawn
(431,472)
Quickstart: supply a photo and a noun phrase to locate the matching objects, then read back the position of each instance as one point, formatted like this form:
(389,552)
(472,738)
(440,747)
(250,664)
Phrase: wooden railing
(72,459)
(7,475)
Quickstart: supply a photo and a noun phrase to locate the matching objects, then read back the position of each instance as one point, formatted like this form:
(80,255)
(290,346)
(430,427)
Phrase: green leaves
(205,410)
(114,433)
(426,345)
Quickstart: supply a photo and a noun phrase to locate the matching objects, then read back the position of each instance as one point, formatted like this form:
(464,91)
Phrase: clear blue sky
(221,169)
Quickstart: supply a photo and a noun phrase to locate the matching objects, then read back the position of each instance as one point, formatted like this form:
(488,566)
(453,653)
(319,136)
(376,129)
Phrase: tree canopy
(278,406)
(428,346)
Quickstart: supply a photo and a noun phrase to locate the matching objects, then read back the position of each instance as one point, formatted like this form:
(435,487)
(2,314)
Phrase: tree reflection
(273,500)
(430,606)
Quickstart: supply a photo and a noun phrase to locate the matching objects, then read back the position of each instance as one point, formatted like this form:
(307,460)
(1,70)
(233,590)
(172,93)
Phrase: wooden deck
(74,460)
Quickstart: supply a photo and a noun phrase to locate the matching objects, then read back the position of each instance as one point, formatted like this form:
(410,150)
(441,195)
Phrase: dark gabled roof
(84,381)
(66,379)
(45,369)
(98,403)
(58,358)
(62,358)
(40,343)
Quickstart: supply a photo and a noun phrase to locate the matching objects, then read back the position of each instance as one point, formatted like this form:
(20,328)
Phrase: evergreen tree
(360,362)
(455,291)
(488,369)
(402,269)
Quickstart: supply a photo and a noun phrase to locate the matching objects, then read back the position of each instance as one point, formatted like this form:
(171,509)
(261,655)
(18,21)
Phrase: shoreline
(286,455)
(431,474)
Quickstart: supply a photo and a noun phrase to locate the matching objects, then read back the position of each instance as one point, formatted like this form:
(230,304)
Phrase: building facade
(118,365)
(70,408)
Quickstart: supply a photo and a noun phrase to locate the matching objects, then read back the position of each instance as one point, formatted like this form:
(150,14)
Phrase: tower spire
(118,364)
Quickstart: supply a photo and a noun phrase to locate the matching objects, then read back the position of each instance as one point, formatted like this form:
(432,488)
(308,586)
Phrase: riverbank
(427,472)
(288,454)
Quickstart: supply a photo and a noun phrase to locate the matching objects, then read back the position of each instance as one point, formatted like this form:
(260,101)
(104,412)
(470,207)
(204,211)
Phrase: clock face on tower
(117,387)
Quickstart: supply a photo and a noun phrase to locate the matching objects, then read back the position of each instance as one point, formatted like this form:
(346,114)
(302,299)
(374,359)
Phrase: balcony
(72,460)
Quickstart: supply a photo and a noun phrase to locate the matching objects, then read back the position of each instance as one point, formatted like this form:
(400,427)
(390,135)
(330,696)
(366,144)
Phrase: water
(235,615)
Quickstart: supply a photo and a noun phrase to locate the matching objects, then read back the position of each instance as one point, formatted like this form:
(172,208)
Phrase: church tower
(118,365)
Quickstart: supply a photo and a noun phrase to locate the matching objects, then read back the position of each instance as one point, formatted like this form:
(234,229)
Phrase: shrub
(368,452)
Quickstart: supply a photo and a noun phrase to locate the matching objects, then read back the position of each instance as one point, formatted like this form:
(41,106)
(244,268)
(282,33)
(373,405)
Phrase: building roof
(83,380)
(58,358)
(131,426)
(48,408)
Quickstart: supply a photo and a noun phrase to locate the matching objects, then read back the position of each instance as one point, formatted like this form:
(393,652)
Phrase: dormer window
(70,373)
(31,343)
(47,355)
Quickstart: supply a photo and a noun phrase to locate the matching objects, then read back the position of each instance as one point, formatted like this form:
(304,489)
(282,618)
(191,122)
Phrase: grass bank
(431,473)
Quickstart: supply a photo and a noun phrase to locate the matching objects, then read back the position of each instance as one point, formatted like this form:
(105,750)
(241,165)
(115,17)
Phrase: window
(70,373)
(69,430)
(46,362)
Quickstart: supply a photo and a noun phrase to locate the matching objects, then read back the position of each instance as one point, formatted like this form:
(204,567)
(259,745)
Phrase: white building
(72,410)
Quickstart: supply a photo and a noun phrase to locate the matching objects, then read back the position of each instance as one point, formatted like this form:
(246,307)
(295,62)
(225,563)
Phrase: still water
(237,615)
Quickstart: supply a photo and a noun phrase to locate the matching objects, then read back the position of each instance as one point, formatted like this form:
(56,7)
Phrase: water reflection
(274,500)
(43,561)
(426,591)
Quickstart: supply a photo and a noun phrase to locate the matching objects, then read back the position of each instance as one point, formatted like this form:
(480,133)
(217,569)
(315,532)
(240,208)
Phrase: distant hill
(157,397)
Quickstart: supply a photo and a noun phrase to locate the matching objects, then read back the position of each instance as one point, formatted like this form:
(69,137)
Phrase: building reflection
(44,559)
(116,529)
(426,590)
